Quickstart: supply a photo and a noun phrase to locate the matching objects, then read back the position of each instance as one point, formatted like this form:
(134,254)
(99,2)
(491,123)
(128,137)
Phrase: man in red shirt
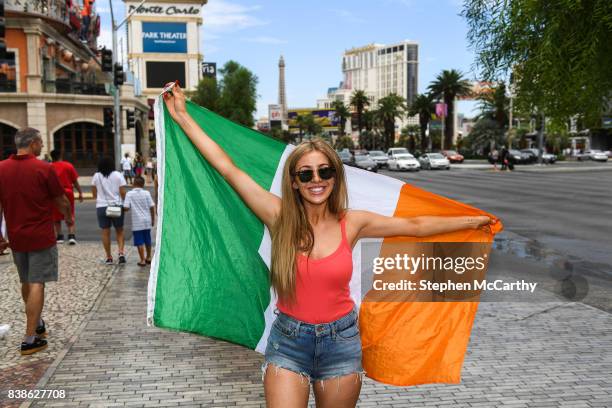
(69,178)
(29,188)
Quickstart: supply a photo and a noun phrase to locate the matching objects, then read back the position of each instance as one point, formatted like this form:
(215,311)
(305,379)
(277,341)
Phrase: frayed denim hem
(264,368)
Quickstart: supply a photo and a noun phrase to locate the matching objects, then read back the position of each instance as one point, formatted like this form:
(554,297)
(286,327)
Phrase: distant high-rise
(282,95)
(383,69)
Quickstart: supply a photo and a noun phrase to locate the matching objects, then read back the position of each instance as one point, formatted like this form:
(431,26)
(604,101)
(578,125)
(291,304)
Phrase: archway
(83,143)
(7,140)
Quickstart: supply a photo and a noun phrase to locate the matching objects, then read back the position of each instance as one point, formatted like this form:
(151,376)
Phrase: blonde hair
(292,232)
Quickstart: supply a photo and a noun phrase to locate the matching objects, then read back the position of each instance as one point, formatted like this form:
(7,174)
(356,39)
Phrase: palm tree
(390,108)
(301,122)
(359,101)
(424,107)
(342,114)
(448,85)
(495,105)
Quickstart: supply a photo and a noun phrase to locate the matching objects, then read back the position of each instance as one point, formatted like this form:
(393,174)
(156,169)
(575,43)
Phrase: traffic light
(130,120)
(109,118)
(107,60)
(119,74)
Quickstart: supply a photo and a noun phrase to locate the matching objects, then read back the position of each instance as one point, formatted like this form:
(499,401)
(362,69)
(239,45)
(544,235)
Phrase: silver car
(379,157)
(432,161)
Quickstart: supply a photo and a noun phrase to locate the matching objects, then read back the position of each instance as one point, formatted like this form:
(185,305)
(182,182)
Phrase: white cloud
(262,39)
(221,15)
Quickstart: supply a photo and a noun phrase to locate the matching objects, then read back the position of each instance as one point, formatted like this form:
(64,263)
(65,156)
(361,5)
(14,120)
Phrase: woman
(313,234)
(138,165)
(108,188)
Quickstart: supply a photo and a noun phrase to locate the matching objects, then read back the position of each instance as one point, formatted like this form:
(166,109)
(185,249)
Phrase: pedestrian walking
(503,158)
(149,170)
(138,165)
(108,188)
(312,283)
(140,203)
(126,166)
(29,188)
(70,180)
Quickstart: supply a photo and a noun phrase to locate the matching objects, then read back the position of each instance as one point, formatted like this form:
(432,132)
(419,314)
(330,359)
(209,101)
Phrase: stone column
(34,74)
(37,119)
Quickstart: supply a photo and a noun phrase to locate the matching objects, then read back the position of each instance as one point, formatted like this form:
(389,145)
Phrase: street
(102,353)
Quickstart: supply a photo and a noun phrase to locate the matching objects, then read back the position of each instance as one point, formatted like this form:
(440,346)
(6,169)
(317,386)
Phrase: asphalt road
(558,223)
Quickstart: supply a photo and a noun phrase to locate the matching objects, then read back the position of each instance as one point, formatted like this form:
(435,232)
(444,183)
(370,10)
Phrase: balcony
(69,86)
(63,15)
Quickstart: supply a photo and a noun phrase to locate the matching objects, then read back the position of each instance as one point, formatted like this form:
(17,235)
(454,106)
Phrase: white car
(403,161)
(596,155)
(434,161)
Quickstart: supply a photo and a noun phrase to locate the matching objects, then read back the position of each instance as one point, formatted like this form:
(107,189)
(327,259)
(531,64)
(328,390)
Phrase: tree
(424,107)
(344,142)
(559,52)
(234,97)
(495,105)
(408,137)
(308,124)
(342,114)
(360,101)
(206,94)
(447,86)
(484,133)
(390,108)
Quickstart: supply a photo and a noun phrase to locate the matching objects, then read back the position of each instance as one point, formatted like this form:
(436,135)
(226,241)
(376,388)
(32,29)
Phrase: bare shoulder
(355,220)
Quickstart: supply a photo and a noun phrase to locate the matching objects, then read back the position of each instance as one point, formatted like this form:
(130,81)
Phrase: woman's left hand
(482,221)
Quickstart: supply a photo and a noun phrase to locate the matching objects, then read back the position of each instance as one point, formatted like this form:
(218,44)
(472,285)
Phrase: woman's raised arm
(264,204)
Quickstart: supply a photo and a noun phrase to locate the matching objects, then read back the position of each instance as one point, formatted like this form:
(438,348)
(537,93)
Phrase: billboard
(160,73)
(275,112)
(326,117)
(164,37)
(209,69)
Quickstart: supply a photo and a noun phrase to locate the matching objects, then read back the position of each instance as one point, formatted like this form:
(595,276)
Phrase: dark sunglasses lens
(326,173)
(305,175)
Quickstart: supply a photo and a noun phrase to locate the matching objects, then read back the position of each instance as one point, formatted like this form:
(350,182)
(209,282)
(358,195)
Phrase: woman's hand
(175,102)
(481,221)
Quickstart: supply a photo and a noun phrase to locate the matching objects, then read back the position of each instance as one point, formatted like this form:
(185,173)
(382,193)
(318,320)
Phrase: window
(8,73)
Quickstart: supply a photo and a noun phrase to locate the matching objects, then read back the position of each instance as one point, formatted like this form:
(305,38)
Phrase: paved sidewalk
(521,355)
(82,277)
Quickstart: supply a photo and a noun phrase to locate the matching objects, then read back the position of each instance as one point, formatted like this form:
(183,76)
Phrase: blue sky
(312,36)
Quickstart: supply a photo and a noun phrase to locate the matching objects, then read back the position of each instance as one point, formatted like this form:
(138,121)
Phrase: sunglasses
(325,173)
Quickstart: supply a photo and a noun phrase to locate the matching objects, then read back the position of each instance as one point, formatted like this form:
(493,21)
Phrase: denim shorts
(105,222)
(316,351)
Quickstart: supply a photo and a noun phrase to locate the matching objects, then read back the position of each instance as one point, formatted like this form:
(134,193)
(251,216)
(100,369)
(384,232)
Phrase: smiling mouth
(318,190)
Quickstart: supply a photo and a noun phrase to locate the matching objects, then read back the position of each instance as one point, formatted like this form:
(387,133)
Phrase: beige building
(164,43)
(50,79)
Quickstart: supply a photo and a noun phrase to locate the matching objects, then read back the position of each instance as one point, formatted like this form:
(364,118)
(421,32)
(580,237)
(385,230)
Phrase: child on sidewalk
(143,218)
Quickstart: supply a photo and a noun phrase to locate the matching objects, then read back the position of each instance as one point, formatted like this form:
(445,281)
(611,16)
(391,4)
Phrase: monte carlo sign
(161,9)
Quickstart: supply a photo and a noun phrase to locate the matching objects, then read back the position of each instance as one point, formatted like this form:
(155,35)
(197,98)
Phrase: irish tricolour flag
(210,269)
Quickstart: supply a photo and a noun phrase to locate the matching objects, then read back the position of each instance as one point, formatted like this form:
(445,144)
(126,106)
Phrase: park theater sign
(166,10)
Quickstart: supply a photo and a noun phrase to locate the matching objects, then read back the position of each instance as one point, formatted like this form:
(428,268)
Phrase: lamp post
(117,100)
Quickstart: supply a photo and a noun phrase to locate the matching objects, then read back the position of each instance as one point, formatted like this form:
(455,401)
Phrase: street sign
(209,69)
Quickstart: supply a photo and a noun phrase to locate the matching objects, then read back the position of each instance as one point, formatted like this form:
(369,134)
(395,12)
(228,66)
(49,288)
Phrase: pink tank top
(322,292)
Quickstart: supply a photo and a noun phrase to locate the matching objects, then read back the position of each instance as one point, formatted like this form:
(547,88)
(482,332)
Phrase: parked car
(546,157)
(595,155)
(452,156)
(379,157)
(518,157)
(346,157)
(432,161)
(363,161)
(397,150)
(403,161)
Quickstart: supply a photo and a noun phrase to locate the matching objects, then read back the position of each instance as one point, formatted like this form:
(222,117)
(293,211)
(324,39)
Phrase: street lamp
(115,28)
